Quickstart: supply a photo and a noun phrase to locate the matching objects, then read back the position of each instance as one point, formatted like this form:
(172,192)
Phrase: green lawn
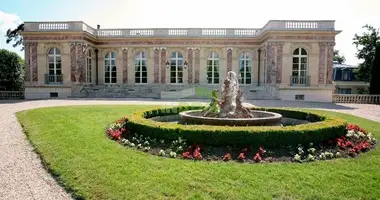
(71,141)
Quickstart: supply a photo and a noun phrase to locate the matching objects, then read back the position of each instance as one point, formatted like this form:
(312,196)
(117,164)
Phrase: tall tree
(15,36)
(339,58)
(374,84)
(11,71)
(366,44)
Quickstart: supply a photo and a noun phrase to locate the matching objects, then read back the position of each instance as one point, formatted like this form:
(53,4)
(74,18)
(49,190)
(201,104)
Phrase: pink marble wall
(73,60)
(34,62)
(322,60)
(156,66)
(229,59)
(82,63)
(270,61)
(125,66)
(190,66)
(330,56)
(197,65)
(280,46)
(27,64)
(163,66)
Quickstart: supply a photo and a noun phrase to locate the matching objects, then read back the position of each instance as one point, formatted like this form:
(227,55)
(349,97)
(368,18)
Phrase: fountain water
(229,109)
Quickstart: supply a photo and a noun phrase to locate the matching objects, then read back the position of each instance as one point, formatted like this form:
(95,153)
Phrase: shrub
(323,128)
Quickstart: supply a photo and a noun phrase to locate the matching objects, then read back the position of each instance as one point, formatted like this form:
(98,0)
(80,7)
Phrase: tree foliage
(11,71)
(339,58)
(374,85)
(15,36)
(365,45)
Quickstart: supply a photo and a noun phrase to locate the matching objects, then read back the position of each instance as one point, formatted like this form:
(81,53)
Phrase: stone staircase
(166,91)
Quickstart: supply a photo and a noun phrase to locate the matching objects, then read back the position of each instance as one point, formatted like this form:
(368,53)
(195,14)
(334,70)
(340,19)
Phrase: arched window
(141,73)
(55,66)
(299,70)
(89,66)
(213,68)
(110,72)
(176,67)
(245,66)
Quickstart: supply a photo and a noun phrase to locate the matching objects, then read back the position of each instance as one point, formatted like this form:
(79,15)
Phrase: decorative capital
(190,48)
(162,48)
(229,48)
(156,48)
(124,48)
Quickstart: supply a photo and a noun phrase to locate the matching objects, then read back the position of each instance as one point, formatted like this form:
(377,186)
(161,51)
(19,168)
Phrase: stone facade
(271,81)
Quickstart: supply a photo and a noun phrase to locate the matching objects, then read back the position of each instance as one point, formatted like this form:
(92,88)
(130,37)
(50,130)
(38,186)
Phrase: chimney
(98,26)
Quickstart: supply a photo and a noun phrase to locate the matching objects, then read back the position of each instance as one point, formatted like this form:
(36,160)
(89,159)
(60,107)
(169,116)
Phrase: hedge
(323,128)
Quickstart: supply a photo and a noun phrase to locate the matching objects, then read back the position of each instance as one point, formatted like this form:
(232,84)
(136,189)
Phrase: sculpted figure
(241,111)
(213,108)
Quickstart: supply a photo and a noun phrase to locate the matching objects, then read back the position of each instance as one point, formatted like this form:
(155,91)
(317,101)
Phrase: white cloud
(8,20)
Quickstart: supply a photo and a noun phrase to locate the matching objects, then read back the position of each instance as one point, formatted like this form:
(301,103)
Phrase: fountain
(229,109)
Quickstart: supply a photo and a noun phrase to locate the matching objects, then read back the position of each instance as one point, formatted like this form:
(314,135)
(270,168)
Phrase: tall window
(245,66)
(110,68)
(141,74)
(176,68)
(299,70)
(55,66)
(89,66)
(213,68)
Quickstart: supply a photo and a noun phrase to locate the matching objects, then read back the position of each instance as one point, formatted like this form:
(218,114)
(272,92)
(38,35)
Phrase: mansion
(287,60)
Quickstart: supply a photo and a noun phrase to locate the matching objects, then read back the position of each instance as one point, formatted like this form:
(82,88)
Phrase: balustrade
(11,95)
(356,98)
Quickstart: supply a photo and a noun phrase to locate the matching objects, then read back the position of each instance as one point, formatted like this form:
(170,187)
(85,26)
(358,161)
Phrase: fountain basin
(261,118)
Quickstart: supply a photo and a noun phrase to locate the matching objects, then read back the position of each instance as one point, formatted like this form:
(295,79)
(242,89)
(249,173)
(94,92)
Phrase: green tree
(366,44)
(11,71)
(374,84)
(339,58)
(15,36)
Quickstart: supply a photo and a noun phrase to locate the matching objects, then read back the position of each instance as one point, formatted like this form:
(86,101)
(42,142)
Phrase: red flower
(261,151)
(186,155)
(356,128)
(227,157)
(123,119)
(114,134)
(241,157)
(123,130)
(257,157)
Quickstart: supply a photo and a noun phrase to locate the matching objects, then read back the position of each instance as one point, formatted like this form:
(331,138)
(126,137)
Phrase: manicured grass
(71,141)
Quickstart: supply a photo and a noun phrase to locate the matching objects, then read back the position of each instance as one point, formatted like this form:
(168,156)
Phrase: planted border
(323,128)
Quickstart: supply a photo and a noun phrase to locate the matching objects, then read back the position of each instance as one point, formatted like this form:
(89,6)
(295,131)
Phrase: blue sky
(350,15)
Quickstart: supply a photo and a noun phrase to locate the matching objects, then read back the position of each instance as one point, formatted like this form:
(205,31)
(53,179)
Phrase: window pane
(180,62)
(303,66)
(107,75)
(216,80)
(180,75)
(137,80)
(113,80)
(107,69)
(295,66)
(51,51)
(248,81)
(172,74)
(248,75)
(143,62)
(216,62)
(303,52)
(295,59)
(137,68)
(144,74)
(209,80)
(144,80)
(113,74)
(58,58)
(51,59)
(57,51)
(51,72)
(209,62)
(113,55)
(172,80)
(106,62)
(107,80)
(303,60)
(113,62)
(137,74)
(51,65)
(58,72)
(295,73)
(114,68)
(144,69)
(58,66)
(107,55)
(296,52)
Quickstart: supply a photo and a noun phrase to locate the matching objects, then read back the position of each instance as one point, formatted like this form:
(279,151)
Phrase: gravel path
(22,175)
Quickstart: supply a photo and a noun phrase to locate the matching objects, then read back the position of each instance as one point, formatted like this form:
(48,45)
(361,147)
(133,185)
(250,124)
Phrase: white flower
(180,148)
(161,153)
(139,146)
(132,144)
(350,133)
(146,148)
(297,157)
(338,155)
(361,134)
(322,156)
(311,150)
(310,157)
(173,154)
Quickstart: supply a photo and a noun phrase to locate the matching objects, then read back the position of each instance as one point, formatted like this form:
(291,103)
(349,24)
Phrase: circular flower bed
(353,142)
(320,129)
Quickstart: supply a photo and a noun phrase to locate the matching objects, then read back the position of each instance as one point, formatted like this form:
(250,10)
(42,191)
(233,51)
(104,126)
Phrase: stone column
(330,57)
(163,65)
(274,62)
(322,62)
(73,60)
(197,65)
(279,46)
(156,59)
(229,59)
(270,61)
(27,63)
(125,65)
(190,65)
(34,62)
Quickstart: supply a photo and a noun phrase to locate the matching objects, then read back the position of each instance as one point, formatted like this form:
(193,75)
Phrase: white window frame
(110,59)
(244,58)
(178,56)
(214,57)
(141,56)
(89,66)
(299,64)
(55,55)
